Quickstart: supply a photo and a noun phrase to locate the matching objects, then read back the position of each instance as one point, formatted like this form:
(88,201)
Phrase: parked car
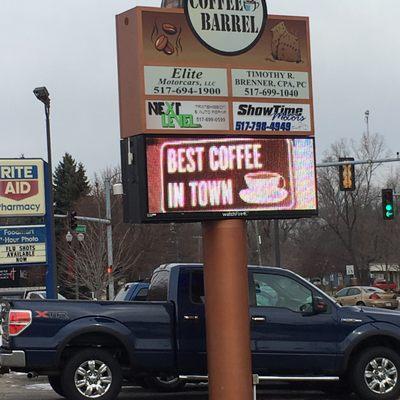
(297,332)
(384,285)
(367,296)
(316,281)
(133,291)
(28,293)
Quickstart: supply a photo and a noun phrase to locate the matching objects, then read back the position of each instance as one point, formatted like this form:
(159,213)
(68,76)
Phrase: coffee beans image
(169,29)
(161,43)
(166,38)
(169,49)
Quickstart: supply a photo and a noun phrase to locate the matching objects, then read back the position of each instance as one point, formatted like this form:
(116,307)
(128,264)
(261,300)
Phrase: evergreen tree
(70,183)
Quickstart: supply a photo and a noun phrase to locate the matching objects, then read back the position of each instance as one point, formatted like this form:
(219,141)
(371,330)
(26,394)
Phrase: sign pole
(227,310)
(51,274)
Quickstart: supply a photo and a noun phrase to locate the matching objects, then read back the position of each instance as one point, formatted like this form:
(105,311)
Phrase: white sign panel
(275,84)
(349,269)
(23,253)
(186,81)
(22,188)
(271,117)
(227,27)
(187,115)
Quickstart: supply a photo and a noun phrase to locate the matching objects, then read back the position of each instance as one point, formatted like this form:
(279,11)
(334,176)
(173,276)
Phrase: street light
(69,237)
(42,94)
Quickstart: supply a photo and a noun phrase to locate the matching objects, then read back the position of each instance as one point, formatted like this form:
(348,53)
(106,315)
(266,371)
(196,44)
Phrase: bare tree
(85,263)
(349,214)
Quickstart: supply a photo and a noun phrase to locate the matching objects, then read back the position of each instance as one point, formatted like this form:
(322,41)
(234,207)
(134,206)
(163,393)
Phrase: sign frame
(136,52)
(135,182)
(41,189)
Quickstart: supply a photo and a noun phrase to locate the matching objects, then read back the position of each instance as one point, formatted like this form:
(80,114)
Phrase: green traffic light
(389,207)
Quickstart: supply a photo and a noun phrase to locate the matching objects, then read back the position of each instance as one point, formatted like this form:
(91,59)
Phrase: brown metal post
(227,304)
(227,310)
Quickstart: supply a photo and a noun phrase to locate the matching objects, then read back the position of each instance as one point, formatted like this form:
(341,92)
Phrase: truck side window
(197,287)
(158,290)
(280,291)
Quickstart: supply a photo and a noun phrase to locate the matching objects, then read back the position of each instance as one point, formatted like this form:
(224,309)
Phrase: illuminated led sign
(200,178)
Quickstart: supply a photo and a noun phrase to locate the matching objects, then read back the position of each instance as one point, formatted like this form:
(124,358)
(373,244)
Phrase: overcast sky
(70,47)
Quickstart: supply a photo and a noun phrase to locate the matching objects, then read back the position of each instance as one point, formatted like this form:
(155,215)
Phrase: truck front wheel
(91,374)
(375,374)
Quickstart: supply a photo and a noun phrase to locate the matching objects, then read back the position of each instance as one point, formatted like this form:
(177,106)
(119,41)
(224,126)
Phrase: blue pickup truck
(298,333)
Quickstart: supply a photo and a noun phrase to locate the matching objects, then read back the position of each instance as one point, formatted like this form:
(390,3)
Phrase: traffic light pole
(358,162)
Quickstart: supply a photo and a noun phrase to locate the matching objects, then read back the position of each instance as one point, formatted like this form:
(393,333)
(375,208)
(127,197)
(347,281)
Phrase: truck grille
(4,309)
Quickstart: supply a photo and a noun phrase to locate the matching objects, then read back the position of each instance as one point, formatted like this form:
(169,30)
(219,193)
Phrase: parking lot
(18,387)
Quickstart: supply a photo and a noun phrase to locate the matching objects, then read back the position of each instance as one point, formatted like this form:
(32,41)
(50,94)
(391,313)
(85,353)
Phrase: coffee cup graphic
(264,187)
(251,5)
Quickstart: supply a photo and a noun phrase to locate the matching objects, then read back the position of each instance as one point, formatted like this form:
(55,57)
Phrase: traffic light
(347,177)
(73,223)
(387,204)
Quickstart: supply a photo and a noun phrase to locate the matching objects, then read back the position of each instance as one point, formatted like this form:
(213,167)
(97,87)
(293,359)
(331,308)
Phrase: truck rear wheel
(375,374)
(55,383)
(91,374)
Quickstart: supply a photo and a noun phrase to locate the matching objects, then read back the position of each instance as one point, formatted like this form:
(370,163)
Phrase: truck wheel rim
(93,379)
(381,375)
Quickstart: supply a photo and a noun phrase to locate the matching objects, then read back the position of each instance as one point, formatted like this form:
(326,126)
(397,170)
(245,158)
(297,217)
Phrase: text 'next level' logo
(18,182)
(171,116)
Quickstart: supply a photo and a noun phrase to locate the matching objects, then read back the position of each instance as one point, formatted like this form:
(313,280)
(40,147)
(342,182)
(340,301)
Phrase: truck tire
(91,374)
(55,383)
(375,374)
(165,383)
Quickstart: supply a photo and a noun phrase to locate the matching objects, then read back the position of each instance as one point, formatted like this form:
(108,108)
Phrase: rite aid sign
(22,188)
(228,27)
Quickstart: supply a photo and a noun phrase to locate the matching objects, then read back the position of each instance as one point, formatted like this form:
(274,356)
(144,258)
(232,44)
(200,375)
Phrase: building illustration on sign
(21,188)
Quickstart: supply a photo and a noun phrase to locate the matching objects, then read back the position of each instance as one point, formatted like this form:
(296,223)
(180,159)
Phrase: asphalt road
(18,387)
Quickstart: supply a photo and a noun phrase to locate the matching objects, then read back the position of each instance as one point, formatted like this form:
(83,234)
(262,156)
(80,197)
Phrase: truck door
(191,333)
(285,340)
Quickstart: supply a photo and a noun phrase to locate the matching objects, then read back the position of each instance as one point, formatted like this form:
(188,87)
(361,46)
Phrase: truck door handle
(258,319)
(191,317)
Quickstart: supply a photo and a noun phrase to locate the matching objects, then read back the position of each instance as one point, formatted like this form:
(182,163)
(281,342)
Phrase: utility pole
(367,121)
(277,244)
(110,259)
